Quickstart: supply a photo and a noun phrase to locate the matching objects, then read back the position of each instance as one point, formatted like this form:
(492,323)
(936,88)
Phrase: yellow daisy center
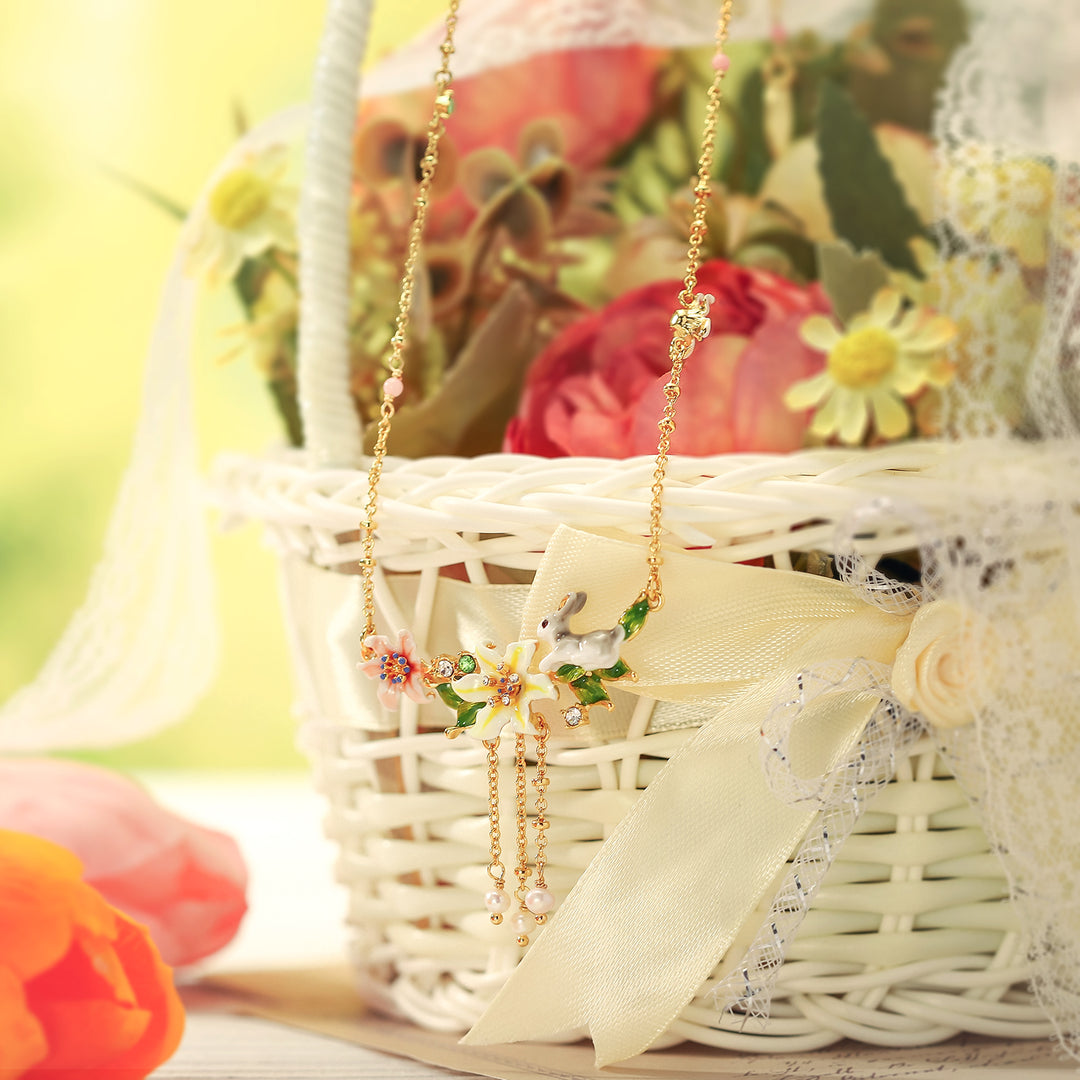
(862,359)
(239,198)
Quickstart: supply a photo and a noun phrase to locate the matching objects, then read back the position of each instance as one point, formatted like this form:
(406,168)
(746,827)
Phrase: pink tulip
(186,883)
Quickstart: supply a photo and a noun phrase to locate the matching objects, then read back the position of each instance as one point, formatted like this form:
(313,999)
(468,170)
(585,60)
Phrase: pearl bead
(721,62)
(496,901)
(539,901)
(393,387)
(521,922)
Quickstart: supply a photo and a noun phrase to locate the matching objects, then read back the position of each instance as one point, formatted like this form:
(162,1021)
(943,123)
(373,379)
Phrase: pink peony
(185,883)
(597,389)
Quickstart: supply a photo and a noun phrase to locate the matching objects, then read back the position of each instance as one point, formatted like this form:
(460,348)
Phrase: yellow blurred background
(146,88)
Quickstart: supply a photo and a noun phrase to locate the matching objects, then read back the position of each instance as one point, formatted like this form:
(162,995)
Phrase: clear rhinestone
(444,669)
(513,677)
(506,699)
(573,716)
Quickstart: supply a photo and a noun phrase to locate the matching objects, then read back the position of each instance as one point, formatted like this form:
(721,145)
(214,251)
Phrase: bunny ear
(572,603)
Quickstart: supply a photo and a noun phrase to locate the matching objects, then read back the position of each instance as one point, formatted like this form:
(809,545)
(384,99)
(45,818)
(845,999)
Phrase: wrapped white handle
(332,432)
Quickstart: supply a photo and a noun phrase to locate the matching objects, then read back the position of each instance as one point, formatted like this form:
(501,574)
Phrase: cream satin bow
(677,881)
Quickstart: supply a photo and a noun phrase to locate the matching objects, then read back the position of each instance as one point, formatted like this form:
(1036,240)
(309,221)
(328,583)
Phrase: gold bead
(367,563)
(541,919)
(496,918)
(522,940)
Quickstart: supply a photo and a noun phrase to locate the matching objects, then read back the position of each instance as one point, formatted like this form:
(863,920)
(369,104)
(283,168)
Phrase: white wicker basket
(910,940)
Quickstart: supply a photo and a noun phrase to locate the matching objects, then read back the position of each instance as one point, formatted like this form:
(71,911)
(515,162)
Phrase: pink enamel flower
(397,667)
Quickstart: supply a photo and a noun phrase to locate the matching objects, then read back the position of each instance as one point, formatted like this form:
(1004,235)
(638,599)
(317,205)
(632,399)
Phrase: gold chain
(496,870)
(523,870)
(682,344)
(540,822)
(444,106)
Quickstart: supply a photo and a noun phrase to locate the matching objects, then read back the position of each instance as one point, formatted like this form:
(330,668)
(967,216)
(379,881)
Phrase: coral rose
(940,669)
(597,389)
(186,883)
(83,991)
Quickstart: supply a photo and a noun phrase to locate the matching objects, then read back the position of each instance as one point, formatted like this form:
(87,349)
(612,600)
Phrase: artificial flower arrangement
(539,327)
(556,232)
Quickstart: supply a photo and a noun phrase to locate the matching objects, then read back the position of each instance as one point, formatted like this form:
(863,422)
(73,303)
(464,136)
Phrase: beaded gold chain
(487,690)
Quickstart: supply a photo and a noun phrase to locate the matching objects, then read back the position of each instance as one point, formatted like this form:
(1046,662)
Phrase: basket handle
(333,434)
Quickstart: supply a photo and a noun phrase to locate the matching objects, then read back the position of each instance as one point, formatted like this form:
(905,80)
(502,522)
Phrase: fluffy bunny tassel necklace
(490,690)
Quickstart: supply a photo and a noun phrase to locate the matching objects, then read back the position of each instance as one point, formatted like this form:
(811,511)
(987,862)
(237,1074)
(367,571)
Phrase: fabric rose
(936,673)
(83,991)
(186,883)
(597,389)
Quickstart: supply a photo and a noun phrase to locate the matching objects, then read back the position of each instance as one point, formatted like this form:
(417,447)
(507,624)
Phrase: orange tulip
(83,991)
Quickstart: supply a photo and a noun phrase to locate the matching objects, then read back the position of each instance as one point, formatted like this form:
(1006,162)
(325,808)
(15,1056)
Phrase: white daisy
(247,212)
(882,358)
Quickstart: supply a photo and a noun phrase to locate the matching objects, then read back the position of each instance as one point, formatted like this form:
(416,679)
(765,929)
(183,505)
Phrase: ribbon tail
(669,892)
(839,798)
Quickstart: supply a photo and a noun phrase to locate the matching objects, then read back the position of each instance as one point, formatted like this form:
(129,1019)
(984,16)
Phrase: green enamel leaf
(866,203)
(589,690)
(467,715)
(449,696)
(634,617)
(569,672)
(616,671)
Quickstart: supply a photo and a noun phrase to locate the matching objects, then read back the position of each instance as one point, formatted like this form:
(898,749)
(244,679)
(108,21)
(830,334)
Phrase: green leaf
(467,717)
(633,618)
(569,672)
(146,191)
(481,388)
(589,690)
(910,45)
(450,696)
(797,250)
(617,671)
(849,280)
(865,201)
(283,391)
(754,156)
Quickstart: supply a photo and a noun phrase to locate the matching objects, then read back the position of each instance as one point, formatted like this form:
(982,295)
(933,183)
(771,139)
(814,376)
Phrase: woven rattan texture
(910,940)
